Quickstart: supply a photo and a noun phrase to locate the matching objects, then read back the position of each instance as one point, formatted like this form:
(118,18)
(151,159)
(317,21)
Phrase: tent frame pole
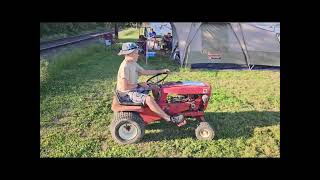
(188,45)
(245,55)
(245,45)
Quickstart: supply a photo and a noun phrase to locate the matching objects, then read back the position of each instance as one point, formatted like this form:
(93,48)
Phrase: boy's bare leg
(155,108)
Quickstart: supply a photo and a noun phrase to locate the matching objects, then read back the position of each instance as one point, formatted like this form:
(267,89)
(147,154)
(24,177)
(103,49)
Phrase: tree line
(70,28)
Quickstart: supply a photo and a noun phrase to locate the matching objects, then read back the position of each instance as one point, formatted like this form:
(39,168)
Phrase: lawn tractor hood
(187,87)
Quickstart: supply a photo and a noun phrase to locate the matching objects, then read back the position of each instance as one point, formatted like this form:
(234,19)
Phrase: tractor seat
(116,107)
(124,100)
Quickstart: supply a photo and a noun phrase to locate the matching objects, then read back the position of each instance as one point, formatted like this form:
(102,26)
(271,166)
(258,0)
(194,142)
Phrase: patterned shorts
(137,95)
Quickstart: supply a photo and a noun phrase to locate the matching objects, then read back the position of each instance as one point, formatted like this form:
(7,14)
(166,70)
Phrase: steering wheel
(150,80)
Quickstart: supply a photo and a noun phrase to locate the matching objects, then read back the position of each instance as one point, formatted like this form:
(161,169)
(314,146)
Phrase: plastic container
(108,42)
(151,54)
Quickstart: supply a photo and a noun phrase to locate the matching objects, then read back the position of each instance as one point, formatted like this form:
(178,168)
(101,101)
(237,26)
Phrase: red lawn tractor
(187,98)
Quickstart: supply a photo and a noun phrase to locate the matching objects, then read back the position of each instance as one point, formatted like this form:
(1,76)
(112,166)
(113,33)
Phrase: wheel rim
(128,131)
(204,133)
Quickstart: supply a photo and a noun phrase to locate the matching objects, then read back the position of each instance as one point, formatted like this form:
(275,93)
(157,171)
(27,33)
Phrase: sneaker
(176,119)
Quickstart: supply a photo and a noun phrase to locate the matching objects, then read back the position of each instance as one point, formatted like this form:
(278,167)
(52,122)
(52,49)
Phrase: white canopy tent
(246,44)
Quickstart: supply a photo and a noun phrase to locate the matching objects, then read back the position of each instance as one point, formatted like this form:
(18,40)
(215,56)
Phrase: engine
(178,97)
(182,103)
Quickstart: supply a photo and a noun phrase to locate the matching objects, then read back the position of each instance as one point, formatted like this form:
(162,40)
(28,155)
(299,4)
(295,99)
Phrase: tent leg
(251,67)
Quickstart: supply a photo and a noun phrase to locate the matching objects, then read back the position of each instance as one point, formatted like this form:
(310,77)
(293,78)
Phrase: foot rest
(182,123)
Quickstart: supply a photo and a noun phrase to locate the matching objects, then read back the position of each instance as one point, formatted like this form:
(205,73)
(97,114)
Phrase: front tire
(204,131)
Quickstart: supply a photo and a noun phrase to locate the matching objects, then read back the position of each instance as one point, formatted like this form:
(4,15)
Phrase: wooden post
(116,30)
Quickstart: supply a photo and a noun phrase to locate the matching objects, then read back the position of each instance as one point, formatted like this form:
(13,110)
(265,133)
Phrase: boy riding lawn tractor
(174,102)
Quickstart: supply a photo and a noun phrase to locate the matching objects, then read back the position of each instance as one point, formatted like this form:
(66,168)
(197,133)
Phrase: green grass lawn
(75,110)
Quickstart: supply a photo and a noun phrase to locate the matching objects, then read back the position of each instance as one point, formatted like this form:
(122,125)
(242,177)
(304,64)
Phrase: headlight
(205,98)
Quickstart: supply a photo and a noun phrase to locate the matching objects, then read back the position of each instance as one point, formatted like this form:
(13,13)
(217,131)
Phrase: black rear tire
(204,131)
(132,120)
